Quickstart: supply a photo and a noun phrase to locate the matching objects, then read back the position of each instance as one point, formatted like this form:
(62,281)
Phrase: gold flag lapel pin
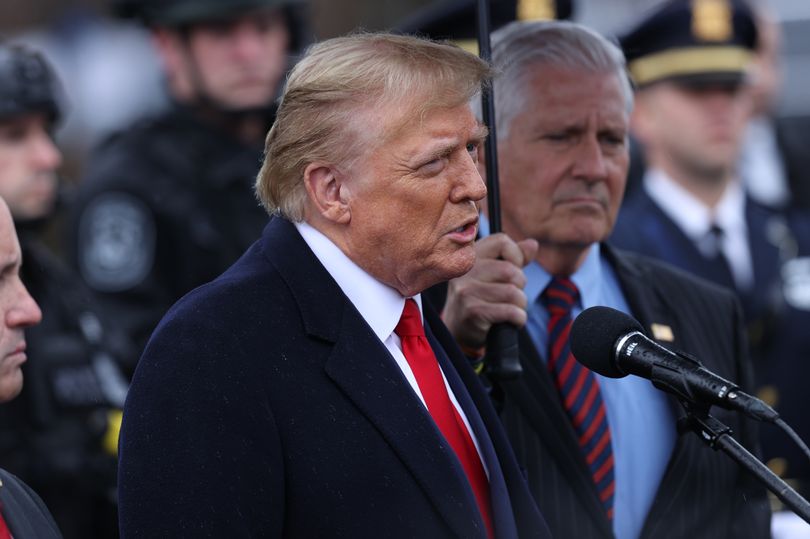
(662,332)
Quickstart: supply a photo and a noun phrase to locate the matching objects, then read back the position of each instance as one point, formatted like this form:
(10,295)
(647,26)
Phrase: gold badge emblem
(534,10)
(662,332)
(712,20)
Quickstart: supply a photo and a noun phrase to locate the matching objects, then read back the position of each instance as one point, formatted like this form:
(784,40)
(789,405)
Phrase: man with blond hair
(301,394)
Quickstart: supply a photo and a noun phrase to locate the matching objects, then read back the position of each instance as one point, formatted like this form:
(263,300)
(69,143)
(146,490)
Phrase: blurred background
(111,73)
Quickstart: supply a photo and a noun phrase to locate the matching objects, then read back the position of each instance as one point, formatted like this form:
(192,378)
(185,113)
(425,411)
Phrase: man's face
(695,130)
(28,163)
(239,63)
(564,160)
(17,308)
(412,200)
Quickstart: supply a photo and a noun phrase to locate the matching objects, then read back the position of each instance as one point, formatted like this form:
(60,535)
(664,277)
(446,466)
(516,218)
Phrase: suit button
(769,395)
(778,466)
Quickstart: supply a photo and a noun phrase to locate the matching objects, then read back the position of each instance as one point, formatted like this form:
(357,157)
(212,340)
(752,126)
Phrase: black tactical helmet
(185,12)
(27,83)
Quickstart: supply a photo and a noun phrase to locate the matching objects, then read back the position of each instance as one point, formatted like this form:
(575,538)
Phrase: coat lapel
(649,306)
(367,374)
(647,303)
(537,397)
(500,506)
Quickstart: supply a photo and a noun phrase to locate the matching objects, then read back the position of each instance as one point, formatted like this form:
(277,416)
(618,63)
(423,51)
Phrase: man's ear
(640,123)
(327,192)
(168,45)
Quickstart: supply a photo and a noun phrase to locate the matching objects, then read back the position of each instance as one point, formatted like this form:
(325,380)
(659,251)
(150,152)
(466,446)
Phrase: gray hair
(323,114)
(522,46)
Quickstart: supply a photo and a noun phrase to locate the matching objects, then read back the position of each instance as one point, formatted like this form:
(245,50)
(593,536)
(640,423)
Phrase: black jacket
(165,206)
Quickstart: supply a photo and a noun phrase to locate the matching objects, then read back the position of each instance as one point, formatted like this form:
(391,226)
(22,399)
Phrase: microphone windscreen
(594,335)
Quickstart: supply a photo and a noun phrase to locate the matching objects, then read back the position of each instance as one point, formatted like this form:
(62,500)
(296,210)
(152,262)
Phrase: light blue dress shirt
(642,424)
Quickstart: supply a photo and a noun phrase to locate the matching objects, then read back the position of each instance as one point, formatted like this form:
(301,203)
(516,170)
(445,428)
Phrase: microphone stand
(718,436)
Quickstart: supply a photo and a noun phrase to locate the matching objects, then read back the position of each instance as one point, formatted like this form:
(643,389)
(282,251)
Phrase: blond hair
(335,83)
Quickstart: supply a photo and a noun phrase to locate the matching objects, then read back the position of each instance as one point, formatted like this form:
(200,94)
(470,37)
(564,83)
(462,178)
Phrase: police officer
(60,434)
(689,61)
(168,204)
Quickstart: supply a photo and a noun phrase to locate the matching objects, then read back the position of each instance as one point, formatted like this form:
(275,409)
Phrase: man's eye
(612,140)
(13,133)
(432,167)
(472,147)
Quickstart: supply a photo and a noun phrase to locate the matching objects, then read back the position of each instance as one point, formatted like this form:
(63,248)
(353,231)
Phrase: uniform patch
(116,242)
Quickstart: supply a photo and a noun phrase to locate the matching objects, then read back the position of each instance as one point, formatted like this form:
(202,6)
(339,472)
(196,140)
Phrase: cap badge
(712,20)
(534,10)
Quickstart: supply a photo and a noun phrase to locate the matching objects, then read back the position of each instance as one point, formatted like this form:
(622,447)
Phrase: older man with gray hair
(301,394)
(604,456)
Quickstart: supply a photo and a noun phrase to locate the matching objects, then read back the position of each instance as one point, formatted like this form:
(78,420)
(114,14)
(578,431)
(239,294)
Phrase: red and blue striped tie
(579,390)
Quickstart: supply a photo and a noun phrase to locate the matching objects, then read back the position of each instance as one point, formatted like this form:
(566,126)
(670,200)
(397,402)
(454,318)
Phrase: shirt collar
(730,211)
(689,213)
(380,305)
(587,278)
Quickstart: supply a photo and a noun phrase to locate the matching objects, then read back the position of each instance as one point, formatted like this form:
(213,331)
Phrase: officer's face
(28,163)
(564,159)
(18,309)
(692,132)
(412,199)
(239,63)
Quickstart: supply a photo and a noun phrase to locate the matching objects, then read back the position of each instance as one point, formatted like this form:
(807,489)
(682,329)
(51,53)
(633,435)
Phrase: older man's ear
(327,193)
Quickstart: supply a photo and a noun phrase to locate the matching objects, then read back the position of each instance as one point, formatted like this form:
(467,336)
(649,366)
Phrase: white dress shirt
(696,219)
(380,306)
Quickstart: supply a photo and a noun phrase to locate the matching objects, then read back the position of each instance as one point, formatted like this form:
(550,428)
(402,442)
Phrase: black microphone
(612,344)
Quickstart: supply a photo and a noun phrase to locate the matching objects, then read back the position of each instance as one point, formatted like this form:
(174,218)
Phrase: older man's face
(564,160)
(17,308)
(413,200)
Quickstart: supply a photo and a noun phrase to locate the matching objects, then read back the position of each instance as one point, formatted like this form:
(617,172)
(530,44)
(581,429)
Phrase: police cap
(692,41)
(27,83)
(186,12)
(456,19)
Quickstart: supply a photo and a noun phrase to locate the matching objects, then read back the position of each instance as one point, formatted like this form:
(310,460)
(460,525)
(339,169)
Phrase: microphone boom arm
(717,435)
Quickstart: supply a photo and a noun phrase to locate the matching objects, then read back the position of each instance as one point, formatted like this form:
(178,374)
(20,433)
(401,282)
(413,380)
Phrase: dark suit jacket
(264,406)
(703,494)
(778,331)
(24,513)
(791,136)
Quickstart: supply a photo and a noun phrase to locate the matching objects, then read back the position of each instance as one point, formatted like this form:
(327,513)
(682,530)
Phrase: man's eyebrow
(443,149)
(481,133)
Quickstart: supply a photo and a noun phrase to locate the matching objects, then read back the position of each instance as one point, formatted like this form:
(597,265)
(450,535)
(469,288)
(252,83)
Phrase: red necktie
(579,390)
(425,367)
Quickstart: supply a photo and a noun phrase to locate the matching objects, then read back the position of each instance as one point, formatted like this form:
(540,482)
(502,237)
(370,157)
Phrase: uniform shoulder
(145,151)
(671,278)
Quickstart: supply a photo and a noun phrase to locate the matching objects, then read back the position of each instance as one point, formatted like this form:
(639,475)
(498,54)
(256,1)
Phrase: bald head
(17,308)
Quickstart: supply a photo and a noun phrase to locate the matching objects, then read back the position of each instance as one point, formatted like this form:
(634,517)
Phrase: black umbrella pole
(502,359)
